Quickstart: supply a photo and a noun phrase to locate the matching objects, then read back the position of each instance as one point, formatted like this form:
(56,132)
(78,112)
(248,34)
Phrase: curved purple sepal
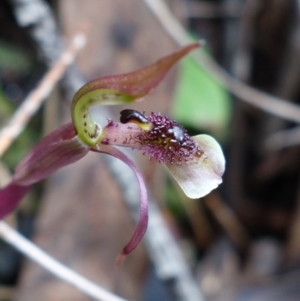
(143,221)
(60,148)
(10,197)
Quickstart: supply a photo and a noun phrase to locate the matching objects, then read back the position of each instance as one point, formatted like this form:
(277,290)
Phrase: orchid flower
(197,163)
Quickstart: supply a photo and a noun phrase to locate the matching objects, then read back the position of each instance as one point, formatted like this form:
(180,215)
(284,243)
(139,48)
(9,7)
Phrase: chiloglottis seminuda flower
(197,163)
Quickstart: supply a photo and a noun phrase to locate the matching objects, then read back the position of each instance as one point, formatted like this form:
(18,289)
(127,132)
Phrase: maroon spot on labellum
(199,153)
(84,124)
(109,122)
(105,141)
(95,134)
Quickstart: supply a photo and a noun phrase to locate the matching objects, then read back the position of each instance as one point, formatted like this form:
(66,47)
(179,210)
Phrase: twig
(286,87)
(293,245)
(268,103)
(283,139)
(36,16)
(7,292)
(228,220)
(170,264)
(34,100)
(207,9)
(12,237)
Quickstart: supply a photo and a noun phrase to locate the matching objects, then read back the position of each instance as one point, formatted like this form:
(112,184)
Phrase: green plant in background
(15,63)
(200,102)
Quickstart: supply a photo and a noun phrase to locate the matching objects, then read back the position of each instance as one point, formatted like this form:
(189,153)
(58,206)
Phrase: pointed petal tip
(143,220)
(10,197)
(120,259)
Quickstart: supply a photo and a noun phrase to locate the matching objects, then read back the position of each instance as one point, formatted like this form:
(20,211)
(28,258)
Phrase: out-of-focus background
(239,243)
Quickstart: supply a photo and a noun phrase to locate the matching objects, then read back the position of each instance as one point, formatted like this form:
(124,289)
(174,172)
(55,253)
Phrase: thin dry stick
(34,100)
(283,139)
(207,9)
(261,100)
(228,220)
(7,292)
(12,237)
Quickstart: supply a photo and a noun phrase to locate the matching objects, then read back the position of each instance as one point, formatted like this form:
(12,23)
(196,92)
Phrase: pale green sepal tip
(88,131)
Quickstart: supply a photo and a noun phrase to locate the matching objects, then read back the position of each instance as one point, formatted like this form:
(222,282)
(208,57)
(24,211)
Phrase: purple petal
(204,174)
(143,221)
(10,197)
(58,149)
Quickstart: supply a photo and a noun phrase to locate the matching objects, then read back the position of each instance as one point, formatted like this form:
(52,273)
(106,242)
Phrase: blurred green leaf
(6,108)
(24,142)
(172,200)
(200,102)
(12,58)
